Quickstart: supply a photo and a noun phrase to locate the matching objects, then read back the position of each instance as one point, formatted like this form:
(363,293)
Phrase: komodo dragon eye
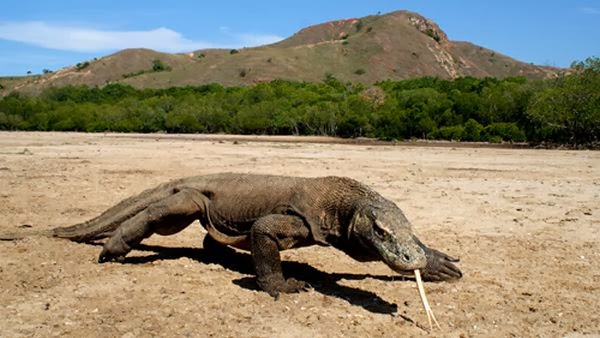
(380,232)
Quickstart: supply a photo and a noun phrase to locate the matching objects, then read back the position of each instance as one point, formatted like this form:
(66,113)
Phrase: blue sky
(37,35)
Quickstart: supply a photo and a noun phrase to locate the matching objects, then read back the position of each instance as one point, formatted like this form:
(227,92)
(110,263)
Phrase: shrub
(472,130)
(505,131)
(179,121)
(448,133)
(359,25)
(82,65)
(159,66)
(494,139)
(10,122)
(433,34)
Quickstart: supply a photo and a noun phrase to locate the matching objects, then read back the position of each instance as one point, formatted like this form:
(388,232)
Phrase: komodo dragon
(266,214)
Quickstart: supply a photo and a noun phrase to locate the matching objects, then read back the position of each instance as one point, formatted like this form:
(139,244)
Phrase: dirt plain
(525,223)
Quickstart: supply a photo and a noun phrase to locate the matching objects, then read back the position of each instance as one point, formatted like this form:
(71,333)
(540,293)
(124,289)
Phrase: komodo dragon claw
(106,257)
(440,267)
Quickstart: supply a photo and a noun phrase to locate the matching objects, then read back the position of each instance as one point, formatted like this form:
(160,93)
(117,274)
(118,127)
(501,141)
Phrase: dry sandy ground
(525,223)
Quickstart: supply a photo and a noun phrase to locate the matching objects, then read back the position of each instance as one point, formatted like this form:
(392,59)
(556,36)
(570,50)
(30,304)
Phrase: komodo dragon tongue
(430,315)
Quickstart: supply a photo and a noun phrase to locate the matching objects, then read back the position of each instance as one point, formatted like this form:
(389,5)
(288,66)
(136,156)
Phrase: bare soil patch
(525,223)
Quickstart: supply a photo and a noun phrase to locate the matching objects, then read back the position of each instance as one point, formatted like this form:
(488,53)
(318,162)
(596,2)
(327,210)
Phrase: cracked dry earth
(525,224)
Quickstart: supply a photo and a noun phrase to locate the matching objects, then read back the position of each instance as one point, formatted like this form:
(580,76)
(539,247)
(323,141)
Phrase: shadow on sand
(322,282)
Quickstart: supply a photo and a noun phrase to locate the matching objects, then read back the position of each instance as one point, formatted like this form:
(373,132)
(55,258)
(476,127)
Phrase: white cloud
(80,39)
(249,39)
(591,10)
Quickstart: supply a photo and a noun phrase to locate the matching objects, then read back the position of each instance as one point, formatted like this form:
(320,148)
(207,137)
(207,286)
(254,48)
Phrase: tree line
(565,110)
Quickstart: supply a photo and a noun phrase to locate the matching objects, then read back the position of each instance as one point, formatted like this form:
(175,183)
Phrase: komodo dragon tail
(106,223)
(11,236)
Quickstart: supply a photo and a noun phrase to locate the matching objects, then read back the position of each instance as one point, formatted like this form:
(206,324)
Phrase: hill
(394,46)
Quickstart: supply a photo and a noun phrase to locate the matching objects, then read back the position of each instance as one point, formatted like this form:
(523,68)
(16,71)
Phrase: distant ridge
(393,46)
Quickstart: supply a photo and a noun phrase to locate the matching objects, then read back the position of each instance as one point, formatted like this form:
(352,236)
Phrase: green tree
(426,108)
(455,133)
(182,121)
(321,118)
(505,131)
(353,120)
(390,121)
(568,109)
(10,122)
(472,131)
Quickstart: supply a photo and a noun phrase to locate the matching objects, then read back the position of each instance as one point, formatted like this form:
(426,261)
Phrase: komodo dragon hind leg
(168,216)
(269,235)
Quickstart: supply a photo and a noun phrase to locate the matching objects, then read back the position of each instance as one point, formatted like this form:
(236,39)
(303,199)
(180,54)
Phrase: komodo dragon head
(385,232)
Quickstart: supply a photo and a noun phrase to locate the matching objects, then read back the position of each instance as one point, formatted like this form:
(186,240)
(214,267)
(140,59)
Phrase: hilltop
(393,46)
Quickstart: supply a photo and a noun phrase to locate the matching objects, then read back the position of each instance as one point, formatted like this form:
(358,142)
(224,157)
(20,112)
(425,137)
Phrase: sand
(525,224)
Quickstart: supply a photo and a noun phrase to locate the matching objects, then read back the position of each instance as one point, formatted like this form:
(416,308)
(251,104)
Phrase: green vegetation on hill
(157,66)
(565,110)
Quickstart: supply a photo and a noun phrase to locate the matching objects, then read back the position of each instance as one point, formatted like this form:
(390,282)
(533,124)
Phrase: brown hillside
(395,46)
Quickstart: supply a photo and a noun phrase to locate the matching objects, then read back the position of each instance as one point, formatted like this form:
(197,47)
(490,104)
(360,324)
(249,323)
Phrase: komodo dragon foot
(440,267)
(276,285)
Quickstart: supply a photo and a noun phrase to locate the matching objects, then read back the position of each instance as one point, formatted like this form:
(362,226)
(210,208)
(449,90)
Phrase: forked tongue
(430,315)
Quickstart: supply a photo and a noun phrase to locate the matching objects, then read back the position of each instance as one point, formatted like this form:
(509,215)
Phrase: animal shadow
(323,282)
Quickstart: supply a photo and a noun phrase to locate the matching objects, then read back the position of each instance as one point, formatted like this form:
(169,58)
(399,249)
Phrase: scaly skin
(266,214)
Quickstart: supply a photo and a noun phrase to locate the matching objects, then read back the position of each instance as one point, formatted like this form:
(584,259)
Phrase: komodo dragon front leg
(269,235)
